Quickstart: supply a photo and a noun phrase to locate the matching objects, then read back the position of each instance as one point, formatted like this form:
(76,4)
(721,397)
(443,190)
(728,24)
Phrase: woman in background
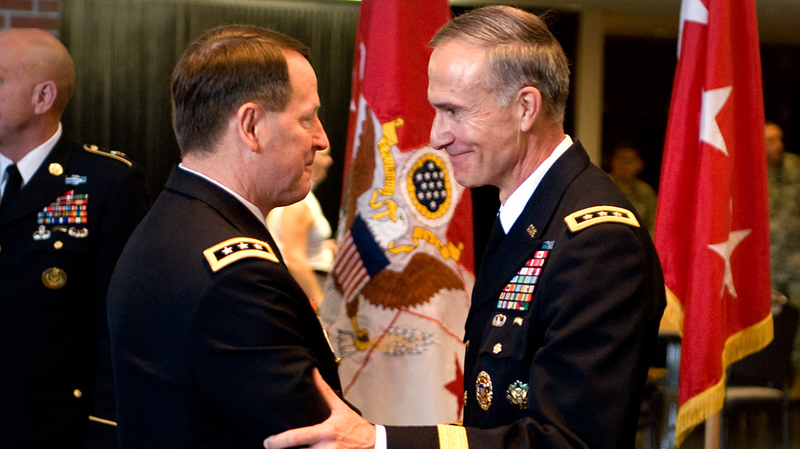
(303,235)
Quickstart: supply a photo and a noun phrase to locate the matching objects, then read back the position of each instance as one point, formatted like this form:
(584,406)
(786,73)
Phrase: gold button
(77,393)
(56,169)
(466,345)
(498,348)
(518,321)
(58,244)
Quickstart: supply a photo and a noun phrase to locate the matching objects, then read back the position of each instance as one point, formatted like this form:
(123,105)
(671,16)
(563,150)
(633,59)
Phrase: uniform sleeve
(125,207)
(596,320)
(253,349)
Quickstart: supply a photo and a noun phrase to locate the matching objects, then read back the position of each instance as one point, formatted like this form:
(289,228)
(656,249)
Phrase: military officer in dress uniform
(213,340)
(65,214)
(566,308)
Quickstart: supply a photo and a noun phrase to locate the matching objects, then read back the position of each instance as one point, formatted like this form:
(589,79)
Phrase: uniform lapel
(44,187)
(528,232)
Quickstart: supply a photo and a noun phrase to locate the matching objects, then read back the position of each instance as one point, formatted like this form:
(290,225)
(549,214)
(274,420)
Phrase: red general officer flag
(397,301)
(712,230)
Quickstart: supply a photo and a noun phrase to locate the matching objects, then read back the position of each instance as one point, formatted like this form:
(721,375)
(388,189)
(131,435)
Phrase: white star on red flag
(725,250)
(713,101)
(716,102)
(691,11)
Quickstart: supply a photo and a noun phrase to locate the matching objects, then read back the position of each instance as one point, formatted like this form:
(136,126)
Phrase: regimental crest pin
(532,230)
(517,394)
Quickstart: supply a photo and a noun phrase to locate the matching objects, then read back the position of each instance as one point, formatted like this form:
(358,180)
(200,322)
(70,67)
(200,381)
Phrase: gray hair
(521,51)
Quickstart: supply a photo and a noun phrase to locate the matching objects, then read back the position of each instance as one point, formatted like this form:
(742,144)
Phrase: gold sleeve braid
(452,437)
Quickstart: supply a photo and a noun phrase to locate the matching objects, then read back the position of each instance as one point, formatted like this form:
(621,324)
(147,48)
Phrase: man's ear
(248,118)
(44,96)
(530,104)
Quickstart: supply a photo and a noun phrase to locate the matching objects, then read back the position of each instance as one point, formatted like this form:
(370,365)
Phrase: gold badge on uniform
(55,169)
(54,278)
(483,390)
(532,231)
(517,394)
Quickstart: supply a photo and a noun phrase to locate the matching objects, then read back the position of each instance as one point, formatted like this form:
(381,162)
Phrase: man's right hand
(344,429)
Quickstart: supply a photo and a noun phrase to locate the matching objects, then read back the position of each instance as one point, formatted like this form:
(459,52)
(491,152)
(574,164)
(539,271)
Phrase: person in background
(213,341)
(566,308)
(783,178)
(303,234)
(66,212)
(626,166)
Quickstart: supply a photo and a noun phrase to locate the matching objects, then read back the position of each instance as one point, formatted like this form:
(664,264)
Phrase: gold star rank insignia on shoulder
(600,214)
(231,250)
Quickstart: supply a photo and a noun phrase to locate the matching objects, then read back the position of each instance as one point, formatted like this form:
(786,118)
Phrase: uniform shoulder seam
(116,155)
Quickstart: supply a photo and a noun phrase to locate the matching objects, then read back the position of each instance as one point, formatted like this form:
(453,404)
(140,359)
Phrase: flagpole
(712,431)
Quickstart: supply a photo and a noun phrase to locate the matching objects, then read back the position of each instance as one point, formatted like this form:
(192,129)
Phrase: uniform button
(77,393)
(1,248)
(58,244)
(466,345)
(498,348)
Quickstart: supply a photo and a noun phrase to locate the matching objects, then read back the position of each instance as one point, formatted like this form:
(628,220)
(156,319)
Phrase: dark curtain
(125,50)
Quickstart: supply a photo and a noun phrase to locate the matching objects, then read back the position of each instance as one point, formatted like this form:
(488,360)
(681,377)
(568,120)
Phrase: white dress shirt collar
(28,165)
(515,204)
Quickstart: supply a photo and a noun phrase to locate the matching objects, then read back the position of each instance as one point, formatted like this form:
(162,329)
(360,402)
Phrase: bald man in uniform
(66,211)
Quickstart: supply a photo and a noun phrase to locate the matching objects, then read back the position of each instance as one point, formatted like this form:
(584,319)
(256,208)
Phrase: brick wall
(30,14)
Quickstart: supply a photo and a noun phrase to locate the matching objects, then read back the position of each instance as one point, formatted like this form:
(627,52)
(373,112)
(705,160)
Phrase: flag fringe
(739,345)
(673,314)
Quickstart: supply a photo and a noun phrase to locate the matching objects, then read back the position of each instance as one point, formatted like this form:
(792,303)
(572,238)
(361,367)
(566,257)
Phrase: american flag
(358,259)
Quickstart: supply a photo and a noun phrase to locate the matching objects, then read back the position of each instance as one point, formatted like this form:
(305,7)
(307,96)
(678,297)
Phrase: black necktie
(495,239)
(13,184)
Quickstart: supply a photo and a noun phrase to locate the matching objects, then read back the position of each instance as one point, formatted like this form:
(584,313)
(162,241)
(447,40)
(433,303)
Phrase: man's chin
(464,180)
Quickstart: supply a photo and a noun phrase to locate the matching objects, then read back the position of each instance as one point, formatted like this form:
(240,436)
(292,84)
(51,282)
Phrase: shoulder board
(600,214)
(112,154)
(231,250)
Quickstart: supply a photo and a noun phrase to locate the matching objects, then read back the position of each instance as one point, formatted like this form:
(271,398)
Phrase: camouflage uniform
(644,200)
(784,222)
